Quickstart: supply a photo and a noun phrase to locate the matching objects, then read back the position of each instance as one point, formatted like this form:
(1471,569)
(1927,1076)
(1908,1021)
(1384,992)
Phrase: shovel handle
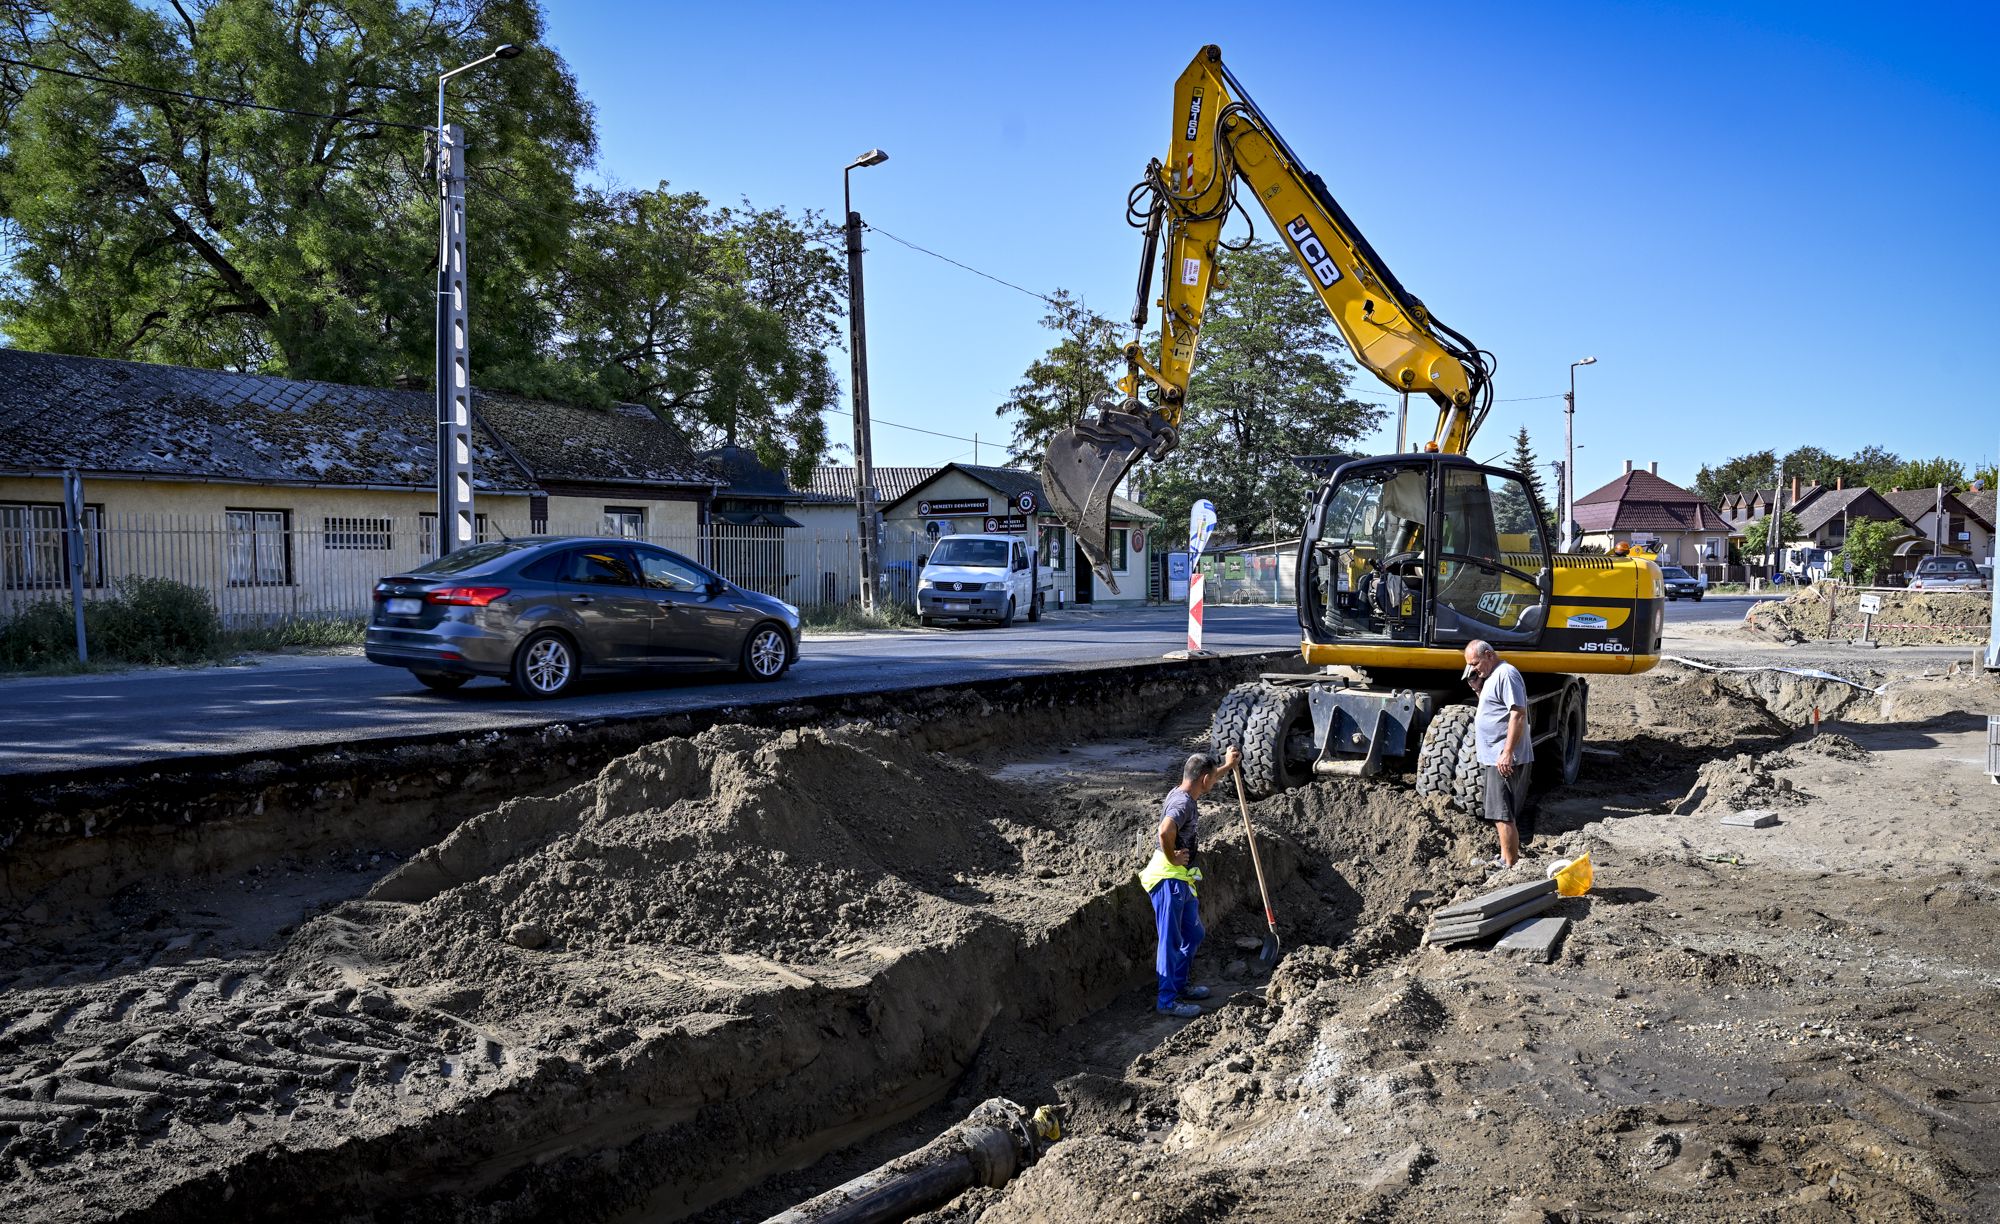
(1243,805)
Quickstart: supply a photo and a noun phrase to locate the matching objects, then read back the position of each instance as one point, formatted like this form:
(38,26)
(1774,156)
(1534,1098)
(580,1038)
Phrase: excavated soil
(735,969)
(1908,618)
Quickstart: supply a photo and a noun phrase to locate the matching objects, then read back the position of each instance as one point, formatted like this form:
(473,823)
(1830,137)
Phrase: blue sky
(1772,224)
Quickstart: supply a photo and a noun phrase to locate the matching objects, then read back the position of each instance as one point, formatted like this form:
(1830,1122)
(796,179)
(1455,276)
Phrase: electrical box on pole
(454,362)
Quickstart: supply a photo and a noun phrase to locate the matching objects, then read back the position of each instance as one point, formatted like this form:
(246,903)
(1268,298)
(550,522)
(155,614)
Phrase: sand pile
(1739,784)
(1908,618)
(787,845)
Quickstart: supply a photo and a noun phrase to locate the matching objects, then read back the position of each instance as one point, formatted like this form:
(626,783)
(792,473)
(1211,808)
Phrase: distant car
(1947,574)
(1680,584)
(542,610)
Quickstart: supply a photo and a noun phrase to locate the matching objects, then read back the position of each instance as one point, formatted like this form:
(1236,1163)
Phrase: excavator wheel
(1558,762)
(1261,720)
(1448,760)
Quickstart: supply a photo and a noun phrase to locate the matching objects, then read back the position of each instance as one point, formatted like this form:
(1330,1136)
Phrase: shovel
(1267,955)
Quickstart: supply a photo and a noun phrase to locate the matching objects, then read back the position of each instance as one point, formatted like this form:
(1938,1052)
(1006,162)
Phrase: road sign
(1871,605)
(952,505)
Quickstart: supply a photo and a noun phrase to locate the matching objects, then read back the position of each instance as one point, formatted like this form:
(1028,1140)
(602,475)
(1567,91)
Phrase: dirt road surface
(729,971)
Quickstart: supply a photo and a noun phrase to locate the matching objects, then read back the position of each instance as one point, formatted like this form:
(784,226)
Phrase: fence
(266,567)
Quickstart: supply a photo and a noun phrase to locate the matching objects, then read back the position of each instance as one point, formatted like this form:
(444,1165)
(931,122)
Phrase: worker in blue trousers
(1172,877)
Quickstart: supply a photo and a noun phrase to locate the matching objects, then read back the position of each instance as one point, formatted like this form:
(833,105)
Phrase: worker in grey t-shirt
(1506,744)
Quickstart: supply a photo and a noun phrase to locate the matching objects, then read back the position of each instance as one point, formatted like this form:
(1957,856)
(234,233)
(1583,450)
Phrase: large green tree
(1929,473)
(1754,470)
(1756,531)
(156,227)
(1868,545)
(1079,368)
(1270,381)
(1530,468)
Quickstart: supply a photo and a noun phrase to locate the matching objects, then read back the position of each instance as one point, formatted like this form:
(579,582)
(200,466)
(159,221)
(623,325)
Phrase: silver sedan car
(543,610)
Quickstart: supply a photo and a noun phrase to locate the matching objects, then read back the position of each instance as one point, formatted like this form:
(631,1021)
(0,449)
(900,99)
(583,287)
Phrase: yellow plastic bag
(1573,880)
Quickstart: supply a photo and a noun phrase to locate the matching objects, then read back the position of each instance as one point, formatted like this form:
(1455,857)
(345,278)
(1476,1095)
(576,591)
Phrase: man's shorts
(1506,798)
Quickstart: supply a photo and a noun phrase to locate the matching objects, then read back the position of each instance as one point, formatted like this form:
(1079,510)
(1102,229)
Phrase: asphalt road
(1712,608)
(73,722)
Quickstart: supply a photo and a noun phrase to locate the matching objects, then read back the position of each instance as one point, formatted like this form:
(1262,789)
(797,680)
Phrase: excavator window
(1368,560)
(1491,560)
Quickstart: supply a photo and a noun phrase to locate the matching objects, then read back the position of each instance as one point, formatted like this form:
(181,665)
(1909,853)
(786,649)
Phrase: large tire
(1261,720)
(1565,757)
(1035,608)
(1448,759)
(1007,621)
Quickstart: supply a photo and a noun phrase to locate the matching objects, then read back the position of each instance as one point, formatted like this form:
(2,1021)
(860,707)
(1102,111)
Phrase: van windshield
(983,554)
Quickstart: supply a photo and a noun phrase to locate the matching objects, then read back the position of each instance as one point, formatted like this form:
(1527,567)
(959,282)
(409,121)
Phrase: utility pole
(453,377)
(1569,457)
(857,350)
(1775,529)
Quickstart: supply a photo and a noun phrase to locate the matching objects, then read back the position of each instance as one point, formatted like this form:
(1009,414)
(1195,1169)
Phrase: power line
(956,264)
(912,428)
(195,97)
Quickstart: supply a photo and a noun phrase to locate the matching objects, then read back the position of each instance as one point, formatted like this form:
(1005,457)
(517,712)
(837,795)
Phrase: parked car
(1947,574)
(543,610)
(1680,584)
(982,578)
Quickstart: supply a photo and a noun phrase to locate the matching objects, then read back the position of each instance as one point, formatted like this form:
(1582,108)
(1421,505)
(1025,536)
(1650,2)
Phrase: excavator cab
(1424,550)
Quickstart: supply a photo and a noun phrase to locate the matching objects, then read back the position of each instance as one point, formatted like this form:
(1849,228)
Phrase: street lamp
(1569,464)
(857,351)
(454,369)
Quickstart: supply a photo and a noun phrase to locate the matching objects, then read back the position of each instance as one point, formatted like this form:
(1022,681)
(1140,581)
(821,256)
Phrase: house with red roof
(1640,508)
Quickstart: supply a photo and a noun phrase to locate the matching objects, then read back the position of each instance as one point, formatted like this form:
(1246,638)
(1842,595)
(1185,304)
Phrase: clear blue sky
(1772,224)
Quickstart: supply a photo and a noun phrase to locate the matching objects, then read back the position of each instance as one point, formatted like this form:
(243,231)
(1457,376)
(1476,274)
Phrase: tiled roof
(1011,482)
(625,444)
(131,418)
(1837,502)
(834,483)
(1641,501)
(1914,504)
(1980,503)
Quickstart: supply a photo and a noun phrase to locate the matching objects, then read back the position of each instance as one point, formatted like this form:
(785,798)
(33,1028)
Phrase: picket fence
(265,567)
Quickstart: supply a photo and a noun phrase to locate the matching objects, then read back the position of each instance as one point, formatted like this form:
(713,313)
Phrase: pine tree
(1530,469)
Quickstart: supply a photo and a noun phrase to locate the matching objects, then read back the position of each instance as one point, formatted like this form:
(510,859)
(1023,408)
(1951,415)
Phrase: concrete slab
(1755,818)
(1475,927)
(1488,904)
(1535,939)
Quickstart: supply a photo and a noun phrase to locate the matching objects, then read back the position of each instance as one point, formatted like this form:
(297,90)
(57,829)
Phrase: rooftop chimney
(1654,467)
(1839,483)
(1628,467)
(1795,488)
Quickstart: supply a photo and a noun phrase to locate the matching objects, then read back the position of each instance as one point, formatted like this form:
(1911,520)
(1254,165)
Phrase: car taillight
(468,597)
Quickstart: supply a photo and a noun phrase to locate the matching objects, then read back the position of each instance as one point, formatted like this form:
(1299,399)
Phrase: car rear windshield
(473,557)
(1946,565)
(982,553)
(1673,571)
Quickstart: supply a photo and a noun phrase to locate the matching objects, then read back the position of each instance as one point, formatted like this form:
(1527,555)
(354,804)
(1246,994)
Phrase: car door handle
(581,599)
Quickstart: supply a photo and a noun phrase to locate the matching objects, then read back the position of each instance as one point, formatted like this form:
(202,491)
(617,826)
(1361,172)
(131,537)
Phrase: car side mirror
(923,561)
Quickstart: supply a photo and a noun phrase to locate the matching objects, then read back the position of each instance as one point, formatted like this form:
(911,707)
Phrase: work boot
(1194,992)
(1181,1011)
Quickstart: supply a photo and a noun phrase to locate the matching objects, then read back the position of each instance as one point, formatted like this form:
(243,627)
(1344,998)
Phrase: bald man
(1505,747)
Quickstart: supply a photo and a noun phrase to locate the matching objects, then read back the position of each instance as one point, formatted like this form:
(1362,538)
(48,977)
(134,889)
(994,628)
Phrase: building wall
(664,519)
(308,552)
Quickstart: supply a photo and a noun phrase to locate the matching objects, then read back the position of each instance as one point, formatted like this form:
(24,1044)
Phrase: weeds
(149,622)
(849,618)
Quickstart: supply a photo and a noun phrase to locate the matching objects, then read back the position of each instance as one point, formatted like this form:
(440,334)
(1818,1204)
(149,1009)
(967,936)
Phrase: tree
(1815,466)
(720,318)
(152,227)
(1530,469)
(1270,382)
(1987,477)
(1928,474)
(1868,545)
(1060,384)
(1754,470)
(1873,466)
(1754,533)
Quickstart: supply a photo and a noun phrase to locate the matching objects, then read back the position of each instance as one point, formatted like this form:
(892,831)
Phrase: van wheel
(1035,609)
(546,665)
(1007,621)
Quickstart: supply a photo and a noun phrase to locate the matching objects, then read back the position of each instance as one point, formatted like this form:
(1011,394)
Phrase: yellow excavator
(1405,558)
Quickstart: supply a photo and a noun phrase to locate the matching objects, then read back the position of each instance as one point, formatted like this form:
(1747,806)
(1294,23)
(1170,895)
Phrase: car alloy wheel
(549,666)
(765,653)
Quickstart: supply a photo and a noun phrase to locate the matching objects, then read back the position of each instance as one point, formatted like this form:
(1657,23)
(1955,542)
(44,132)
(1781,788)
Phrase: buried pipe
(995,1143)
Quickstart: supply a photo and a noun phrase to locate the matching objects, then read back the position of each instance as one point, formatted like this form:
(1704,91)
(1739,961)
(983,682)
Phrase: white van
(981,578)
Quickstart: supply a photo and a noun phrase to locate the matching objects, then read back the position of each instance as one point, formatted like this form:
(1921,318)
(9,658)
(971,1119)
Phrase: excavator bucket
(1083,465)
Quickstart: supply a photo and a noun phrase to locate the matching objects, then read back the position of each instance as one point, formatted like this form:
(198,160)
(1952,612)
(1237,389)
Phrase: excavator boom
(1221,141)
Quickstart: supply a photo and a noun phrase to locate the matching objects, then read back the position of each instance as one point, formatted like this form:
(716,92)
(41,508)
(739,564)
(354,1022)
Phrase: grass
(294,635)
(231,644)
(849,618)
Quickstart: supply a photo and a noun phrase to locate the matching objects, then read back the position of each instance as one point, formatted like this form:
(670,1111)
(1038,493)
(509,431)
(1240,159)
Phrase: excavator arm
(1221,142)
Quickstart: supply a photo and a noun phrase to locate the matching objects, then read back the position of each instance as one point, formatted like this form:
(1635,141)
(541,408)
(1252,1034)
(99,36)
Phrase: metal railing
(269,567)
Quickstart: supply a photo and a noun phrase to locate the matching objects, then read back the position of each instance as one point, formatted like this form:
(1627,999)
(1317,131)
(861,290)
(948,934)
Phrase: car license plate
(405,607)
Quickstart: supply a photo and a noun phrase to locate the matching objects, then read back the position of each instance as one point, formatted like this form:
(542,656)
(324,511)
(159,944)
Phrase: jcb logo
(1313,251)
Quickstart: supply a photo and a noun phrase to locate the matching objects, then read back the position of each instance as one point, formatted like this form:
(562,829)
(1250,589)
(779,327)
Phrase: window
(977,554)
(628,522)
(1119,559)
(1055,548)
(666,572)
(260,547)
(358,534)
(1490,549)
(34,545)
(600,567)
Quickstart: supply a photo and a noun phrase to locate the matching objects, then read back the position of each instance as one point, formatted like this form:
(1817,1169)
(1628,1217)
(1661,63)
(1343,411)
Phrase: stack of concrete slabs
(1491,913)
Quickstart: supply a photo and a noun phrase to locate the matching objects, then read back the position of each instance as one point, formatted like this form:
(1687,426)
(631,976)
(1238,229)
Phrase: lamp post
(1569,461)
(857,350)
(454,366)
